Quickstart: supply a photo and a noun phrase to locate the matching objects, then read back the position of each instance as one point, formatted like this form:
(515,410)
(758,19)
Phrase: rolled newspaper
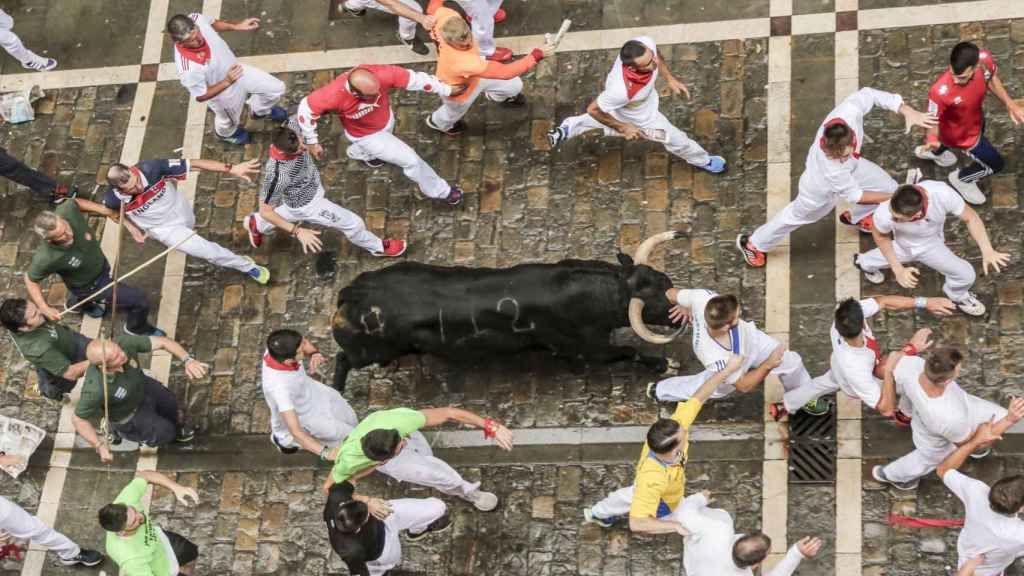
(557,38)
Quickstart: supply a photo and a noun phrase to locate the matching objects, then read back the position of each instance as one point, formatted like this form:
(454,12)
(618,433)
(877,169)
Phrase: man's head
(100,349)
(837,140)
(286,140)
(184,31)
(120,518)
(1007,495)
(20,315)
(907,203)
(380,445)
(637,57)
(124,179)
(364,85)
(962,62)
(456,33)
(943,365)
(283,345)
(351,516)
(751,550)
(849,319)
(53,229)
(722,311)
(666,438)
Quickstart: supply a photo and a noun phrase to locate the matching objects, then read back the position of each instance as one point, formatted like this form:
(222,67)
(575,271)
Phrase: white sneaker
(969,190)
(876,277)
(971,305)
(946,159)
(484,501)
(41,65)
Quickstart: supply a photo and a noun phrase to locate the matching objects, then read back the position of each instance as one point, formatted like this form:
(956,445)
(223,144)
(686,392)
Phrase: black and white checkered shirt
(294,182)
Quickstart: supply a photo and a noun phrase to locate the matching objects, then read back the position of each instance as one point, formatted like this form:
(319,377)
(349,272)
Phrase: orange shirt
(457,67)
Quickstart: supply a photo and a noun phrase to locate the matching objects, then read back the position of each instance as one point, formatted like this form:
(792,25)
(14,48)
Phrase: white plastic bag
(16,107)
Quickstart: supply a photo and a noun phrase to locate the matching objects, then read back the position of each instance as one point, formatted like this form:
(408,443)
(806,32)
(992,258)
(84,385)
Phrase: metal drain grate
(812,448)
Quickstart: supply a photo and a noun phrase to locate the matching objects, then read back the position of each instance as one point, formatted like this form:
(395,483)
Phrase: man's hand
(1016,114)
(310,240)
(983,434)
(679,314)
(183,493)
(678,87)
(326,486)
(775,358)
(548,49)
(631,132)
(502,436)
(920,339)
(234,73)
(316,360)
(1015,411)
(906,276)
(915,118)
(809,546)
(735,361)
(997,260)
(707,496)
(378,508)
(195,369)
(316,150)
(682,531)
(457,90)
(248,24)
(428,22)
(137,234)
(940,306)
(105,456)
(244,169)
(971,565)
(51,313)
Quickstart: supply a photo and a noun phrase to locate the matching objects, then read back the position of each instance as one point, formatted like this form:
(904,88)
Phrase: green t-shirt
(51,347)
(145,552)
(78,264)
(124,389)
(351,459)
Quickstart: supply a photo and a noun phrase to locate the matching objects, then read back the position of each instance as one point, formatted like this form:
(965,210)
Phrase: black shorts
(184,550)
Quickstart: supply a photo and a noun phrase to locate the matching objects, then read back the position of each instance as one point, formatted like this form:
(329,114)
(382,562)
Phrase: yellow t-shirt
(657,482)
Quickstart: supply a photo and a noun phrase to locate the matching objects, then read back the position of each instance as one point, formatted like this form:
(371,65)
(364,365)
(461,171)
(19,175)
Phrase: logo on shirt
(363,110)
(943,90)
(957,100)
(52,332)
(121,393)
(74,261)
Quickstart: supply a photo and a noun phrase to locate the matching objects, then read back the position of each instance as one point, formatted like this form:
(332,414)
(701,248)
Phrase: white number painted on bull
(515,319)
(375,313)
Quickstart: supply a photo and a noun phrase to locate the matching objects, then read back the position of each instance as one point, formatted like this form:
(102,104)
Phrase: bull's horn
(643,251)
(636,321)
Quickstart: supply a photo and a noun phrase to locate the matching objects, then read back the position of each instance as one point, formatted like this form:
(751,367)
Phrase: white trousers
(959,273)
(406,27)
(678,143)
(482,13)
(930,449)
(259,89)
(12,44)
(416,464)
(412,514)
(24,526)
(451,111)
(824,385)
(615,504)
(808,207)
(323,212)
(199,247)
(386,147)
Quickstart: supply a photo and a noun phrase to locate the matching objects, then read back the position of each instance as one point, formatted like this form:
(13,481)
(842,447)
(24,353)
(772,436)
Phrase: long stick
(129,274)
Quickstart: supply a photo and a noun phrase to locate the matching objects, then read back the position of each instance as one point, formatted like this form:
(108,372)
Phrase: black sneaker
(283,449)
(437,526)
(454,197)
(186,434)
(351,12)
(373,163)
(84,558)
(458,128)
(515,101)
(94,310)
(416,45)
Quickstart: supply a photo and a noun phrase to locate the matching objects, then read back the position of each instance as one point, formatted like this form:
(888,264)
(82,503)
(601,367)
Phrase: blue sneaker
(277,114)
(715,165)
(240,137)
(589,518)
(259,274)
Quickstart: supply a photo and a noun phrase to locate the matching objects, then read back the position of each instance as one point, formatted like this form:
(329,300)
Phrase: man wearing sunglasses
(915,217)
(360,98)
(628,107)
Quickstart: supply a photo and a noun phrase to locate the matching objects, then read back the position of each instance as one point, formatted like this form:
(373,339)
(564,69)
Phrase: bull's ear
(625,260)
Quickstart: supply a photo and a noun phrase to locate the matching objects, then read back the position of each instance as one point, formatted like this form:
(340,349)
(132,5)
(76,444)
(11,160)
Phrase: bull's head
(647,290)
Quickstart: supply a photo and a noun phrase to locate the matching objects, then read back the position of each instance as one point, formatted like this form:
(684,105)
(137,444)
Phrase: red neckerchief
(872,345)
(924,205)
(279,365)
(277,154)
(635,81)
(836,122)
(199,55)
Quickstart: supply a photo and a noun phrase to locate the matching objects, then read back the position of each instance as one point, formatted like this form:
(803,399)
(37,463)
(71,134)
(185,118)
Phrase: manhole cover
(812,448)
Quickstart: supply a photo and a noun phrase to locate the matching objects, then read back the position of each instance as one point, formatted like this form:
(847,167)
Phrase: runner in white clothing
(915,216)
(303,412)
(718,332)
(834,169)
(713,548)
(992,529)
(409,13)
(856,365)
(628,107)
(210,72)
(944,415)
(12,44)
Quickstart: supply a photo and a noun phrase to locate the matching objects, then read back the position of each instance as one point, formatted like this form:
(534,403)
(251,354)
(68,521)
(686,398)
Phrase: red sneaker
(255,236)
(865,224)
(392,248)
(753,256)
(501,55)
(901,419)
(778,411)
(500,16)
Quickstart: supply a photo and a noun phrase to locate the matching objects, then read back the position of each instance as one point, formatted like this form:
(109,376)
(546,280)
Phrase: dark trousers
(54,386)
(14,169)
(132,302)
(987,160)
(156,419)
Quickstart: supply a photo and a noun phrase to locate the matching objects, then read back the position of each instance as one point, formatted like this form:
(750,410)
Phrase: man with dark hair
(834,170)
(660,479)
(992,527)
(944,416)
(364,531)
(916,217)
(857,365)
(292,194)
(713,548)
(134,543)
(390,441)
(628,107)
(956,98)
(55,351)
(718,332)
(208,69)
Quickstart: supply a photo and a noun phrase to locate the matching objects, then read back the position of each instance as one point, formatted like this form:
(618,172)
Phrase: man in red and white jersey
(957,98)
(360,97)
(208,69)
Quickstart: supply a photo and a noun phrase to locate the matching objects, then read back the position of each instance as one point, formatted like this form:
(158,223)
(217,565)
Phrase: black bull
(569,308)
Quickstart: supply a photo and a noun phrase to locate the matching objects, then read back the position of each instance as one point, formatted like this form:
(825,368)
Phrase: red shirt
(360,117)
(959,107)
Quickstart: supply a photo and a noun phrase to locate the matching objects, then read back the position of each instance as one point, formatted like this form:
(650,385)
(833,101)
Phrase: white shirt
(642,108)
(714,356)
(320,410)
(915,236)
(1000,538)
(939,420)
(853,368)
(825,178)
(196,77)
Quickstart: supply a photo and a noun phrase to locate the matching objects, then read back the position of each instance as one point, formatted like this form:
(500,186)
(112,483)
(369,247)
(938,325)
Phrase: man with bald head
(360,97)
(139,408)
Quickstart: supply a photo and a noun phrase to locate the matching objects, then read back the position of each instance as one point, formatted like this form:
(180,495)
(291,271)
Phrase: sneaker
(969,190)
(876,277)
(971,306)
(94,310)
(901,419)
(500,55)
(240,137)
(392,248)
(556,136)
(351,12)
(652,391)
(185,434)
(438,526)
(751,255)
(151,331)
(589,518)
(981,453)
(817,407)
(865,224)
(41,65)
(61,193)
(715,165)
(456,129)
(878,473)
(259,274)
(373,163)
(85,558)
(454,197)
(778,411)
(255,236)
(484,501)
(500,16)
(946,159)
(282,449)
(276,114)
(514,102)
(416,44)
